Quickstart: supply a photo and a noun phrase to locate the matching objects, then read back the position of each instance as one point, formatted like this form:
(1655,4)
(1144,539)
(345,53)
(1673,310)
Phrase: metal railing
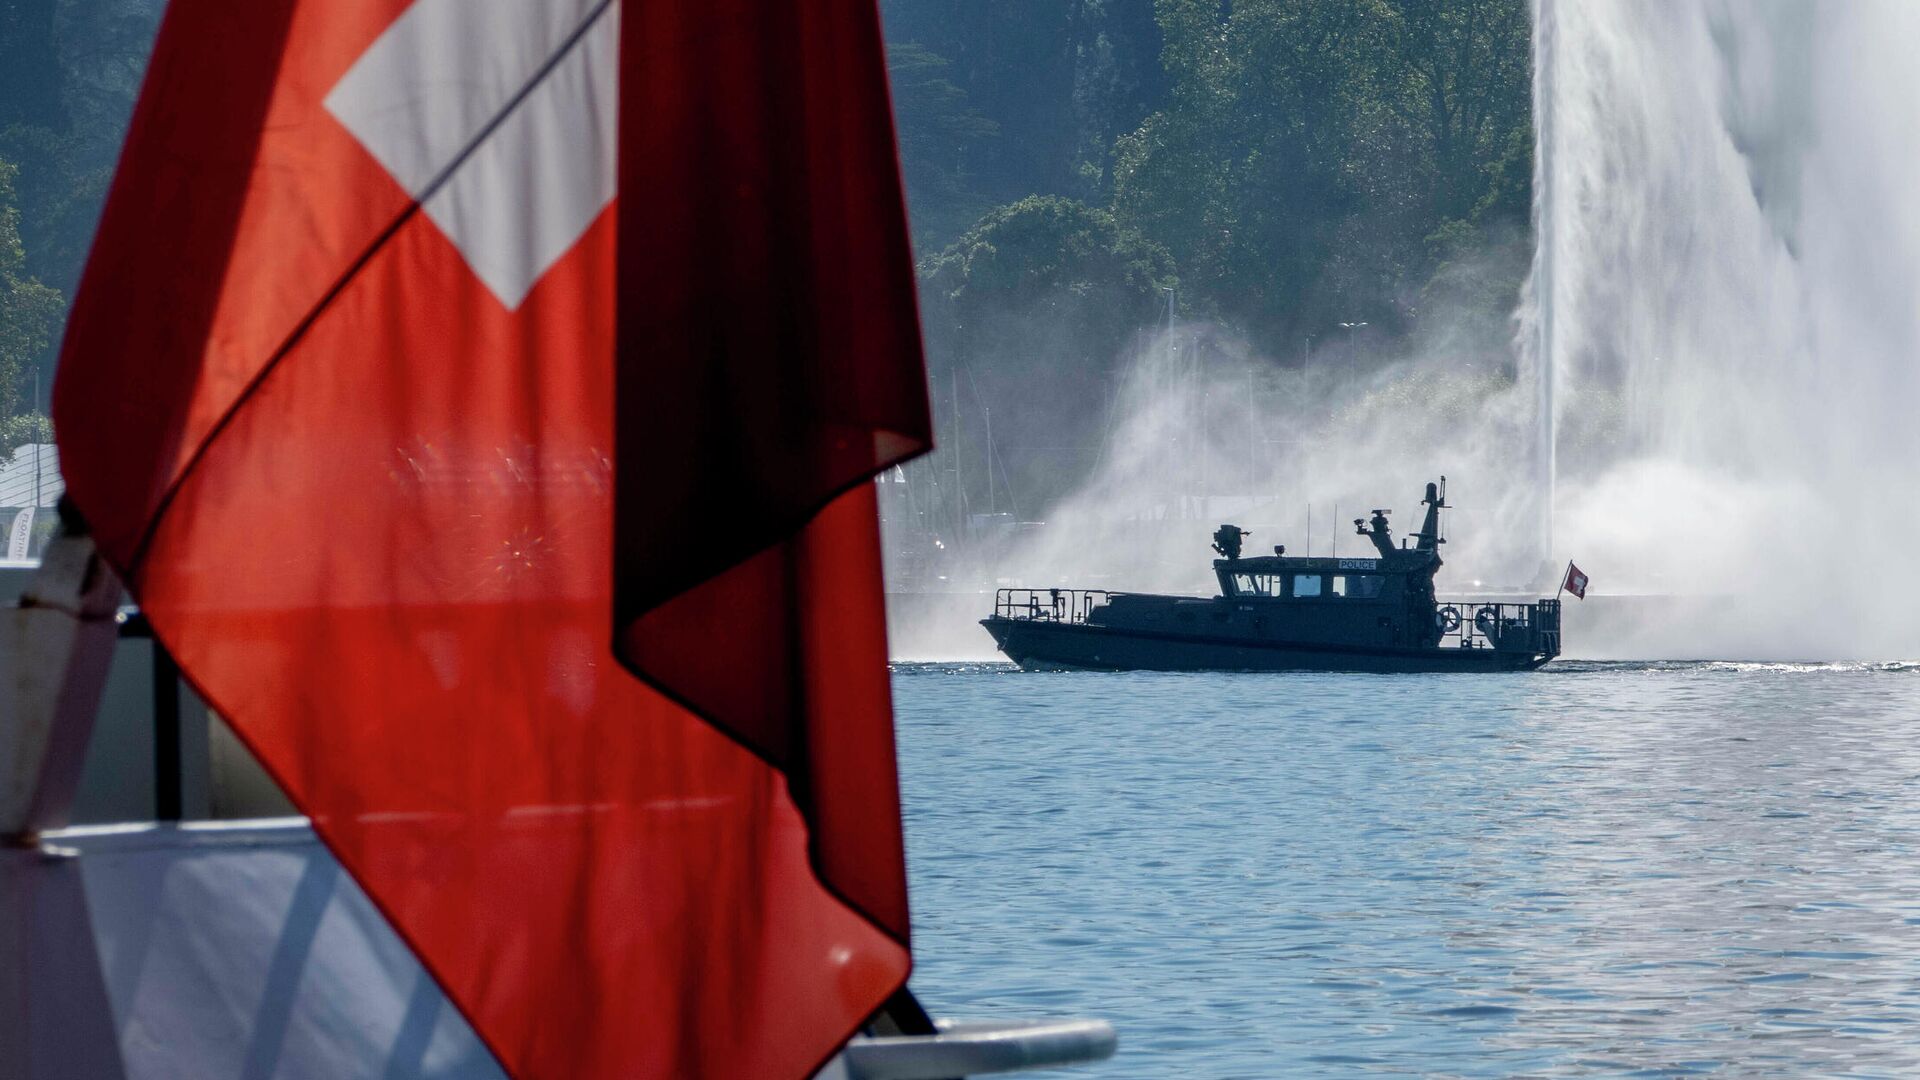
(1533,627)
(1048,605)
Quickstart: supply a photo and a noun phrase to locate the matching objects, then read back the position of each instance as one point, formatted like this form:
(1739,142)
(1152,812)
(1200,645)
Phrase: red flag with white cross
(1576,581)
(479,396)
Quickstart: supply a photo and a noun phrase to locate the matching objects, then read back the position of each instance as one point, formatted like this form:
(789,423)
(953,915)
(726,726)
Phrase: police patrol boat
(1285,613)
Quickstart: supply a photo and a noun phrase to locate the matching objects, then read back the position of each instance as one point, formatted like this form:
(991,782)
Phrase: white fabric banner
(20,537)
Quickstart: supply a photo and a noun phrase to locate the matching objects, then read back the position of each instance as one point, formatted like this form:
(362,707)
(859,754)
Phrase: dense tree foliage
(941,136)
(69,71)
(1051,259)
(1060,80)
(1289,165)
(1026,314)
(1306,162)
(1292,165)
(29,315)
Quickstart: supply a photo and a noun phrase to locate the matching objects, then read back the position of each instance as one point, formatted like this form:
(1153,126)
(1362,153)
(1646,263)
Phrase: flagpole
(1563,581)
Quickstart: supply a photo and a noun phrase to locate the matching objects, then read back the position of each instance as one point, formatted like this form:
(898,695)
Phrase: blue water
(1660,870)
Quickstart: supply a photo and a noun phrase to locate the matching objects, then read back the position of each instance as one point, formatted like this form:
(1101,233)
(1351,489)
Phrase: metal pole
(959,488)
(987,414)
(1253,439)
(1172,470)
(37,439)
(167,799)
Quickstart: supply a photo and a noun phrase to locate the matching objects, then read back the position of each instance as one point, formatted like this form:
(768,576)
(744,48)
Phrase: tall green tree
(69,73)
(66,137)
(1076,266)
(30,73)
(1060,79)
(940,135)
(1249,175)
(1025,316)
(1459,74)
(1316,158)
(1463,83)
(30,314)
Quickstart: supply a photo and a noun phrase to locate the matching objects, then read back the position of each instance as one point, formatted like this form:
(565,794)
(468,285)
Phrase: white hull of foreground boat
(241,948)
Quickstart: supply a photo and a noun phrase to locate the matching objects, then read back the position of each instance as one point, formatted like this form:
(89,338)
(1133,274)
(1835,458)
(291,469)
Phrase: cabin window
(1363,586)
(1257,584)
(1306,585)
(1357,586)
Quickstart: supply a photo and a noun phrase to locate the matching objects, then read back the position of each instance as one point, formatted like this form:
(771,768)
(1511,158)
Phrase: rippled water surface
(1673,869)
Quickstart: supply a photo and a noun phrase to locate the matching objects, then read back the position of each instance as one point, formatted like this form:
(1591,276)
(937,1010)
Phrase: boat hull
(1047,645)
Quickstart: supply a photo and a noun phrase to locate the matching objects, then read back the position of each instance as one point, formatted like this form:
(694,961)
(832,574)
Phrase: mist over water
(1723,318)
(1728,275)
(1204,433)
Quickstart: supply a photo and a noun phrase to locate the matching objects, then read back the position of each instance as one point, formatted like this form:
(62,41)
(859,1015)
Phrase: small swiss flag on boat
(1576,582)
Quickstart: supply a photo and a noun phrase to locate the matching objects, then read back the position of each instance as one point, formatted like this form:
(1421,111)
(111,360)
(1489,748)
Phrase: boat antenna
(1436,500)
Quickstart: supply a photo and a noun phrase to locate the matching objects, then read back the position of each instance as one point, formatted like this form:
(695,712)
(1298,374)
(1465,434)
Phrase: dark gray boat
(1282,613)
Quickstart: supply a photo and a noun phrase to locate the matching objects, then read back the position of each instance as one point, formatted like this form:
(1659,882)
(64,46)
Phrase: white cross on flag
(1576,582)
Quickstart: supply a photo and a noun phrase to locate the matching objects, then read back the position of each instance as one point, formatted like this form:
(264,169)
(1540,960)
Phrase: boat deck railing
(1464,624)
(1048,605)
(1531,627)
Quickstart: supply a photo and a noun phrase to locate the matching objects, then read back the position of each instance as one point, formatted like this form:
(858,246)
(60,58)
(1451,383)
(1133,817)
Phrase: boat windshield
(1353,586)
(1257,584)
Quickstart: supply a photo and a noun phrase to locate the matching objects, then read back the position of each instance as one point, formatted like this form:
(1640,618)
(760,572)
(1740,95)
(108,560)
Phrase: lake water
(1598,868)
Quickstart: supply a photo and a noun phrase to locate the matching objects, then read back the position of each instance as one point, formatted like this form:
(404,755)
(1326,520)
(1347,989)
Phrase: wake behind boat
(1285,613)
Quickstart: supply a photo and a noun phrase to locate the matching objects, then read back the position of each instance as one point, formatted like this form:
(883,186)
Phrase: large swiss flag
(339,397)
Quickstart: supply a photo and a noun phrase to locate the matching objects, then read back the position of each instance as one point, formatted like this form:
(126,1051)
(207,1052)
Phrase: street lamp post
(37,439)
(1350,327)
